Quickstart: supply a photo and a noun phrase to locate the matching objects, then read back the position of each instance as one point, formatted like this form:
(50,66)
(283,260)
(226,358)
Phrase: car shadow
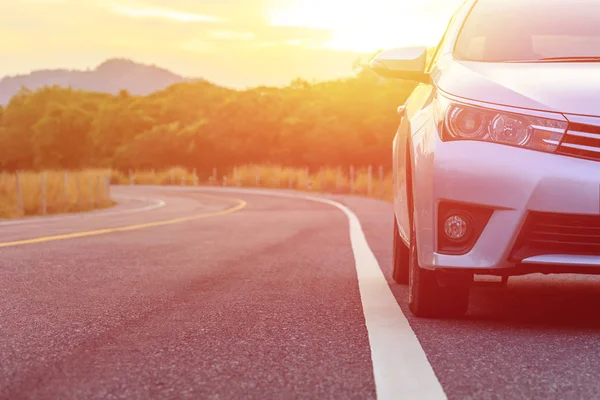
(553,300)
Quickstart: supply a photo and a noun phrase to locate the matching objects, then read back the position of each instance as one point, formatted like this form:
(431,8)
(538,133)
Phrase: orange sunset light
(366,26)
(238,43)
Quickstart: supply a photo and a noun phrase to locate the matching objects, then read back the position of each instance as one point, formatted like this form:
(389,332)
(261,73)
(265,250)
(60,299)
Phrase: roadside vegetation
(52,192)
(56,192)
(318,137)
(365,181)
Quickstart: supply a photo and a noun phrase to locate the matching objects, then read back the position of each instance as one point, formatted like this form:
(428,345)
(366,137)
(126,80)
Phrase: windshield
(532,30)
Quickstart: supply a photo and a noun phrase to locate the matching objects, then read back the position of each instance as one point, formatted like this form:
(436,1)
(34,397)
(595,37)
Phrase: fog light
(456,228)
(459,226)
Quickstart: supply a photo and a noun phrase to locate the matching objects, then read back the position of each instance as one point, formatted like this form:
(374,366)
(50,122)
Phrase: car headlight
(460,121)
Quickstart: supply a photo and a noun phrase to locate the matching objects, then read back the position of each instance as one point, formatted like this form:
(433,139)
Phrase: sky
(236,43)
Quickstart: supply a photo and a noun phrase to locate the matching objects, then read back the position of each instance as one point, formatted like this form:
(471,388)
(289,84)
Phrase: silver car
(497,157)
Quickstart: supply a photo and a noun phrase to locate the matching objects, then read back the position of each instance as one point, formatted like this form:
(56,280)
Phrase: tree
(20,115)
(117,122)
(201,125)
(61,138)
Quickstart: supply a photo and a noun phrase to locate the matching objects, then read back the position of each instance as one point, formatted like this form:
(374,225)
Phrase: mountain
(111,76)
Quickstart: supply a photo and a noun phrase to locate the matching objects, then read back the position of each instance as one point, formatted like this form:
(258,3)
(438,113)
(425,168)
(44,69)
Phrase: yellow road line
(241,204)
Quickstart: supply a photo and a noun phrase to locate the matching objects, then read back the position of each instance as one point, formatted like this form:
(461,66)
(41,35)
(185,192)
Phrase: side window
(449,30)
(440,46)
(437,52)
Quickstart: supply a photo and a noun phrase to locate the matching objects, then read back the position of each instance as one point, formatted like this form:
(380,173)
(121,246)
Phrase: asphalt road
(176,294)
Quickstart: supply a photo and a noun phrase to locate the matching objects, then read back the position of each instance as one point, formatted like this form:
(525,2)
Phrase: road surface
(183,293)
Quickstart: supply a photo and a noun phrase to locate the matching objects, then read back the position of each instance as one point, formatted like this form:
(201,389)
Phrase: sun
(370,25)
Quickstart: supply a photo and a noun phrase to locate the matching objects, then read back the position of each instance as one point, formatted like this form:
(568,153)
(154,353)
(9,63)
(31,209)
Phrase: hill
(111,76)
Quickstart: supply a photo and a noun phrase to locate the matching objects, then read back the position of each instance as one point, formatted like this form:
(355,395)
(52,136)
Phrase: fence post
(381,181)
(338,180)
(172,175)
(225,180)
(44,207)
(195,178)
(92,200)
(369,180)
(352,179)
(101,197)
(107,187)
(66,186)
(321,181)
(19,195)
(78,186)
(131,178)
(308,181)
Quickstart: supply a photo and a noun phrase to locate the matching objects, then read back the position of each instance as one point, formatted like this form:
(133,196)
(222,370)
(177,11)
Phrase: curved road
(217,294)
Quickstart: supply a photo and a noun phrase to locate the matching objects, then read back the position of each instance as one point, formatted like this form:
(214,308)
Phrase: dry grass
(326,180)
(172,176)
(86,190)
(80,191)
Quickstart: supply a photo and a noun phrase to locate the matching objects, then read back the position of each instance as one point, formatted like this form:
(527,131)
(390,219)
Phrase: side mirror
(404,63)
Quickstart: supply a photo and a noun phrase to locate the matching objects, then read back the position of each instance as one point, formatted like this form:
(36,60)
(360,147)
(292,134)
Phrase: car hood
(568,88)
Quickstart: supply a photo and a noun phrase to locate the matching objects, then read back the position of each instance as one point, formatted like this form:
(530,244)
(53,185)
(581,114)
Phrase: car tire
(434,294)
(401,258)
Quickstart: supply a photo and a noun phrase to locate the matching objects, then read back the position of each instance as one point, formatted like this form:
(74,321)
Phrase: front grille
(547,233)
(581,141)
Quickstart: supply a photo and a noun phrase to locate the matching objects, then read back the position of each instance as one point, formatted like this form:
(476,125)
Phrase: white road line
(400,365)
(156,203)
(98,213)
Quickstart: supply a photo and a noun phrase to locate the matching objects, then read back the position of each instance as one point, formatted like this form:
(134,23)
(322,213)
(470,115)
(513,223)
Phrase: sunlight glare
(158,12)
(369,25)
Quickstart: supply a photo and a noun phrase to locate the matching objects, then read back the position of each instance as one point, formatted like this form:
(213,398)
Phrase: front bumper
(512,182)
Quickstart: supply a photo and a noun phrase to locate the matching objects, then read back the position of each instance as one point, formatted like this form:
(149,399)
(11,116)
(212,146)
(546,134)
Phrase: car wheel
(401,258)
(434,294)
